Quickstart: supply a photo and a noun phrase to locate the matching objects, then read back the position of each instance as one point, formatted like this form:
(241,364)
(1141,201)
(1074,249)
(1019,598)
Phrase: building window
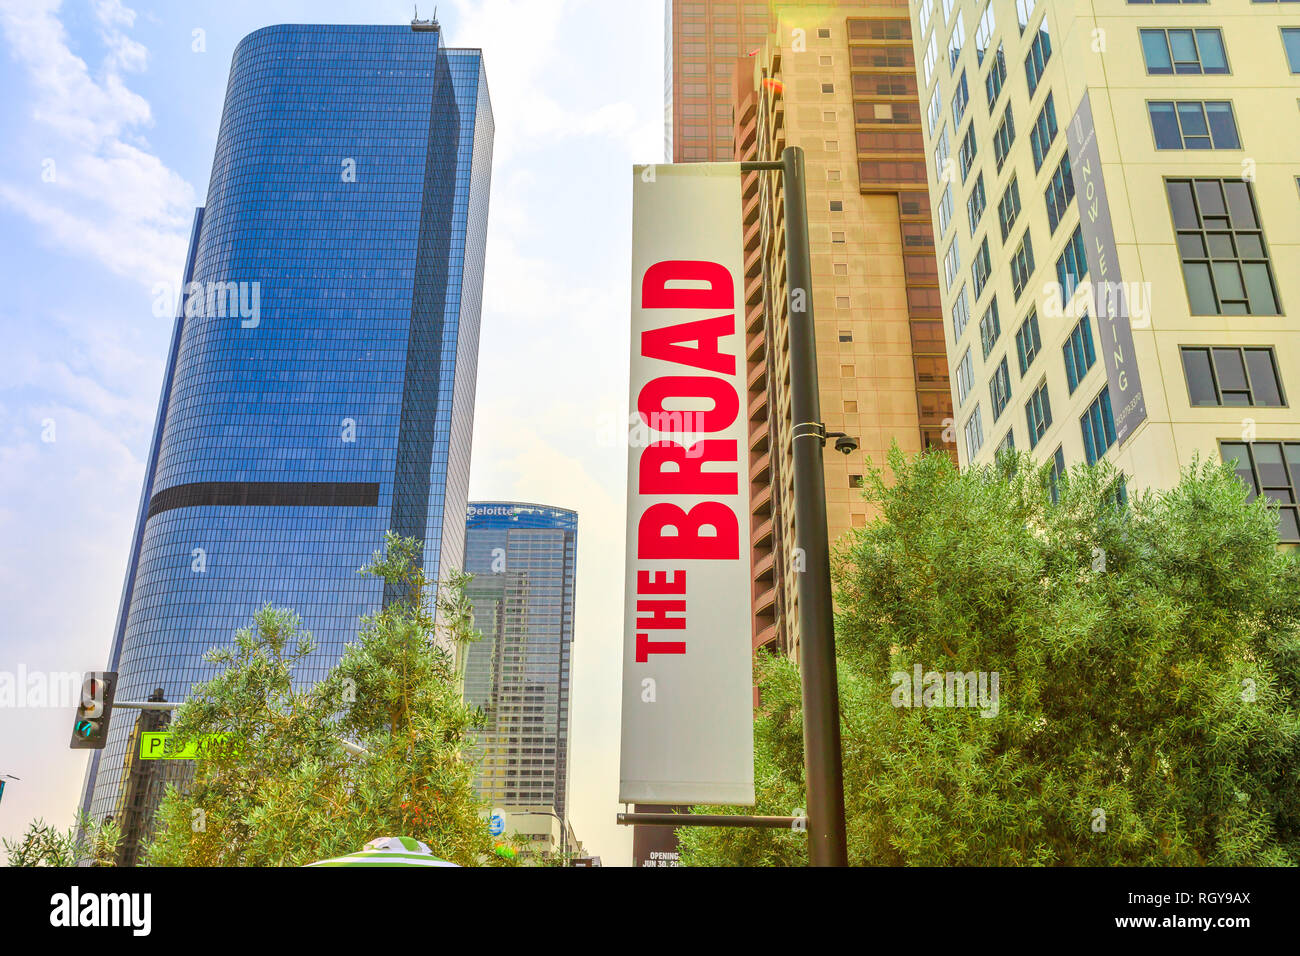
(1009,208)
(1221,244)
(990,328)
(1232,376)
(823,33)
(828,116)
(955,41)
(824,61)
(847,371)
(966,156)
(841,268)
(931,58)
(984,33)
(960,314)
(965,378)
(1072,265)
(851,408)
(1024,10)
(1060,190)
(1008,443)
(1004,137)
(975,206)
(1028,344)
(997,76)
(974,434)
(1044,131)
(1098,426)
(945,210)
(855,481)
(1184,51)
(1291,43)
(842,302)
(1038,413)
(959,100)
(846,336)
(1040,51)
(1270,469)
(934,110)
(1000,388)
(1193,124)
(1058,470)
(833,175)
(1079,354)
(837,205)
(828,87)
(941,154)
(951,263)
(832,146)
(837,237)
(981,268)
(1022,265)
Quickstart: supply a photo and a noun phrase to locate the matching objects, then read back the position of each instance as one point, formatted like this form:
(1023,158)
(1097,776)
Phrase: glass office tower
(320,384)
(523,560)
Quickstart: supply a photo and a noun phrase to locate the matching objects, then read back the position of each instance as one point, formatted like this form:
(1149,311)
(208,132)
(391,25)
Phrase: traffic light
(90,729)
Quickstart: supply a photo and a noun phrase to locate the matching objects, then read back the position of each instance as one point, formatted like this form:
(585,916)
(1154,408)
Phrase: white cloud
(94,190)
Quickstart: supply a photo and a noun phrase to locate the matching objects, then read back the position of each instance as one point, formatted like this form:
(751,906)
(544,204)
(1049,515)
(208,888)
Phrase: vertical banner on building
(1110,302)
(687,682)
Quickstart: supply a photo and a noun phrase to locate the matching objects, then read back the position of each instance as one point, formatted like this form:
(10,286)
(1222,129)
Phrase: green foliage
(43,845)
(284,791)
(1149,671)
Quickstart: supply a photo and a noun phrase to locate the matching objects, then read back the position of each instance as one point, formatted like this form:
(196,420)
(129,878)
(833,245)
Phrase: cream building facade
(1196,125)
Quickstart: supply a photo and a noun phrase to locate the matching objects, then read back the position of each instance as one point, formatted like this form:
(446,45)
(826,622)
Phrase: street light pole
(823,761)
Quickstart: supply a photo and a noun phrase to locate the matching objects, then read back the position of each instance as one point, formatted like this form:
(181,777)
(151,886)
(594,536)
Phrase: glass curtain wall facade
(320,385)
(523,560)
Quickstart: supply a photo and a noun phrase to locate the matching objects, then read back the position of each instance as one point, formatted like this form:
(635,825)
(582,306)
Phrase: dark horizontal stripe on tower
(267,494)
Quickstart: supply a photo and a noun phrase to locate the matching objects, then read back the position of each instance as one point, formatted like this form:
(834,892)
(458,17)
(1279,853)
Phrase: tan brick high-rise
(838,80)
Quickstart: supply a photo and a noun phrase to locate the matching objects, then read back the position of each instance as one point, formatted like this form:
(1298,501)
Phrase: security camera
(845,444)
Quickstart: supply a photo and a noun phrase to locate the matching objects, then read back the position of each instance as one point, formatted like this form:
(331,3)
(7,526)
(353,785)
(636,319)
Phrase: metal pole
(708,820)
(823,761)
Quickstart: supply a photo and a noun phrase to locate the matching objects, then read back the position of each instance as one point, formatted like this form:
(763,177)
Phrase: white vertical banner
(688,732)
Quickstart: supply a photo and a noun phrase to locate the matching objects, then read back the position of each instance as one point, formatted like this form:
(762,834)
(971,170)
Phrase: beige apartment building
(839,81)
(1152,148)
(742,81)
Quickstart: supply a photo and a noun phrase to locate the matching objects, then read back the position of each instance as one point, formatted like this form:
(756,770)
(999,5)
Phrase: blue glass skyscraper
(320,384)
(523,558)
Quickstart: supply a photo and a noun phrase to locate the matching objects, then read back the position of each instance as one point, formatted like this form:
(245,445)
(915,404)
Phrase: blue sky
(109,121)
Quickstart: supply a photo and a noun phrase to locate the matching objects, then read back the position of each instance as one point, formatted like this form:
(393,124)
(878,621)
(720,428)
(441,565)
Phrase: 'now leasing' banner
(1110,303)
(687,683)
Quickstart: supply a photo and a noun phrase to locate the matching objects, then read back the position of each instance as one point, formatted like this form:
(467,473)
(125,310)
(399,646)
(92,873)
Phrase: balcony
(762,534)
(760,467)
